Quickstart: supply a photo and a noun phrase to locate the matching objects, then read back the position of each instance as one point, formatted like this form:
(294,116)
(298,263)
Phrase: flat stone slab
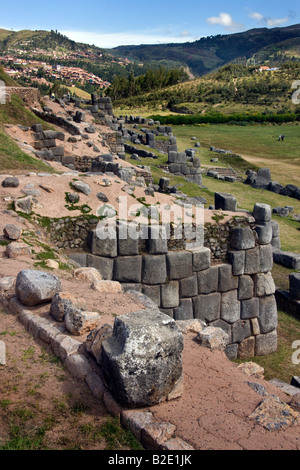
(287,259)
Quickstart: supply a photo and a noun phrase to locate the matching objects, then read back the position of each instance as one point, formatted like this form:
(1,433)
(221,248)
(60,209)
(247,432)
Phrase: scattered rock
(108,287)
(213,338)
(73,197)
(274,415)
(95,339)
(12,232)
(252,370)
(36,287)
(23,204)
(10,182)
(82,187)
(79,322)
(88,274)
(16,249)
(62,302)
(52,264)
(102,197)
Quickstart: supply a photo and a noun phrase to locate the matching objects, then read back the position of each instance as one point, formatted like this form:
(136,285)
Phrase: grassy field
(12,159)
(258,144)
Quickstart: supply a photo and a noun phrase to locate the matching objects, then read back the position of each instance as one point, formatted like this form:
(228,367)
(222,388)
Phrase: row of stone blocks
(46,141)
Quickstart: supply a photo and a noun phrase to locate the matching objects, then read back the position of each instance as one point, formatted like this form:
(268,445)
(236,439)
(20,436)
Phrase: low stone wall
(29,95)
(57,120)
(237,296)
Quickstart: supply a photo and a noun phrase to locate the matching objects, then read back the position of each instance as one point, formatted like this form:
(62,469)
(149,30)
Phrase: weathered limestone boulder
(79,322)
(274,414)
(36,287)
(82,187)
(142,361)
(226,202)
(213,338)
(95,339)
(16,249)
(23,205)
(87,274)
(62,302)
(12,232)
(10,182)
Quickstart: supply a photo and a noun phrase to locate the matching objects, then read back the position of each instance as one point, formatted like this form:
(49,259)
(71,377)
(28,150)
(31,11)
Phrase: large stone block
(208,280)
(128,269)
(262,212)
(230,307)
(266,258)
(142,361)
(104,265)
(36,287)
(154,269)
(241,330)
(264,285)
(266,343)
(158,241)
(227,281)
(153,292)
(237,260)
(170,294)
(242,238)
(246,288)
(103,243)
(201,259)
(179,264)
(265,233)
(128,245)
(268,319)
(294,280)
(226,202)
(252,261)
(185,310)
(189,287)
(207,307)
(250,308)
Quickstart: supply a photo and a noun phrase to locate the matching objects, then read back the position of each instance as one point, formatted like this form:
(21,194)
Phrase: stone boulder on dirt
(82,187)
(23,204)
(12,232)
(63,302)
(16,249)
(142,361)
(10,182)
(36,287)
(79,322)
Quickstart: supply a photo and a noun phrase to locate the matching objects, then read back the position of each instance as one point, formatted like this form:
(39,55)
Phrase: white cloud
(110,40)
(271,22)
(225,20)
(256,16)
(276,22)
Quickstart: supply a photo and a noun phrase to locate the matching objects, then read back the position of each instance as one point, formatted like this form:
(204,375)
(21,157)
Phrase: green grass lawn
(258,144)
(12,158)
(279,365)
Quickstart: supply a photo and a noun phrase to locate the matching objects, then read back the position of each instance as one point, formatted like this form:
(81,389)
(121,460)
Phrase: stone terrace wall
(237,295)
(29,95)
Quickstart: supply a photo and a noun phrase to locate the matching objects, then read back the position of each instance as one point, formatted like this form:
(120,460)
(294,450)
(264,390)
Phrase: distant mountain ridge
(206,54)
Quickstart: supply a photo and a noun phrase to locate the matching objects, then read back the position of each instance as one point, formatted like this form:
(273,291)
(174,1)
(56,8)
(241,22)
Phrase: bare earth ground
(35,391)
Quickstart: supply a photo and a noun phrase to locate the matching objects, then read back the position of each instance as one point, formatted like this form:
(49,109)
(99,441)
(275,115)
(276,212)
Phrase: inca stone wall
(29,95)
(236,295)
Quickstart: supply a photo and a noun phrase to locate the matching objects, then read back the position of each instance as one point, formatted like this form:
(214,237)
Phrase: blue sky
(107,23)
